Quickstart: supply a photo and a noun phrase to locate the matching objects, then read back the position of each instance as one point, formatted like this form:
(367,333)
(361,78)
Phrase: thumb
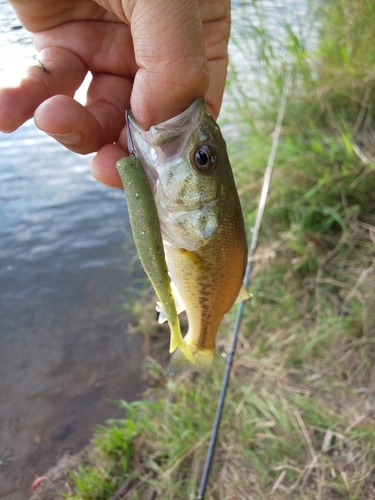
(169,51)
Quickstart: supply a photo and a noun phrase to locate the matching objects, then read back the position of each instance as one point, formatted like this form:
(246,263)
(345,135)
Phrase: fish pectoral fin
(180,362)
(243,295)
(193,261)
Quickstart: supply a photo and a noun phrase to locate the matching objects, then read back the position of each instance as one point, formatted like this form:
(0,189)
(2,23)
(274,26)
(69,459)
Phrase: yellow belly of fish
(208,282)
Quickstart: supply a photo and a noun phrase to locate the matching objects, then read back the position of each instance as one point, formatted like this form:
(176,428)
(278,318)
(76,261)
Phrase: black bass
(201,224)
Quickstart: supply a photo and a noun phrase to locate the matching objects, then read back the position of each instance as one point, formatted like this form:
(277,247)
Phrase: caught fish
(201,225)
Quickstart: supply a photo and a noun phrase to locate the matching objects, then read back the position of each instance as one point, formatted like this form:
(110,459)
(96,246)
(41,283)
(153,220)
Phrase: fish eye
(204,159)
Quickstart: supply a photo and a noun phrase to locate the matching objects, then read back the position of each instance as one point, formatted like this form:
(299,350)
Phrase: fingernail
(70,139)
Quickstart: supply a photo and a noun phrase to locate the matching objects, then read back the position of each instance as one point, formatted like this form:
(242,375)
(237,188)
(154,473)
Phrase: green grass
(299,413)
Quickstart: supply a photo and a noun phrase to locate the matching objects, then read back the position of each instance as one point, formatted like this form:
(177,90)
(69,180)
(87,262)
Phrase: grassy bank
(299,416)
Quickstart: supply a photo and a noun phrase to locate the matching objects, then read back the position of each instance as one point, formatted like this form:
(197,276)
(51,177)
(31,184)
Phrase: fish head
(185,159)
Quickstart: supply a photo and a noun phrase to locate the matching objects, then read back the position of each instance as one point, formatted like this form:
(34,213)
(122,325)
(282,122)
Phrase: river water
(65,349)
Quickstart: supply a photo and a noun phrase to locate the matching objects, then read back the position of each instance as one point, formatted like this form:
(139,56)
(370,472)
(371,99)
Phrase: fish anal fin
(180,363)
(162,318)
(243,295)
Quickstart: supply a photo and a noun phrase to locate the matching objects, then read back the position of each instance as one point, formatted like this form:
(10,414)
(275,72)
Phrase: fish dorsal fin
(243,295)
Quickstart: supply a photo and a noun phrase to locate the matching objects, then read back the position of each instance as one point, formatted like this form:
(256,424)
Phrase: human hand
(151,55)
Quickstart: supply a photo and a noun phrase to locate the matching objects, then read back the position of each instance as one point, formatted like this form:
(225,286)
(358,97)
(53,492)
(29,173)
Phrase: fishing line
(249,267)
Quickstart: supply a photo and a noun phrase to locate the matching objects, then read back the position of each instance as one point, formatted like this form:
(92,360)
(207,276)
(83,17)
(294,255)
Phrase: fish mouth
(169,130)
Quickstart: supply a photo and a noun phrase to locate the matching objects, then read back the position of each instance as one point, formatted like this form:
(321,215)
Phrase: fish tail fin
(196,359)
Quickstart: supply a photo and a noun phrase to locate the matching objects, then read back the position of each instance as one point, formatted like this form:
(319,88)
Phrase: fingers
(103,166)
(66,53)
(216,28)
(214,96)
(59,72)
(169,70)
(104,47)
(84,129)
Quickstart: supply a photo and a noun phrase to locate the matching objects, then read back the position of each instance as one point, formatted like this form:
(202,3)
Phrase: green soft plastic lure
(200,220)
(148,241)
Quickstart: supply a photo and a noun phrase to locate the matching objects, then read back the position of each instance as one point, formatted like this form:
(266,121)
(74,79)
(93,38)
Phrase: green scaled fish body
(201,224)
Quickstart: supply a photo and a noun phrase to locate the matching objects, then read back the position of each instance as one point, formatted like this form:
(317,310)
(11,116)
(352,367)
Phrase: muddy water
(63,357)
(65,347)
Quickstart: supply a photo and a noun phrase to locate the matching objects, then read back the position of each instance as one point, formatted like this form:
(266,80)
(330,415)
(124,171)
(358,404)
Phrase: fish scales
(201,223)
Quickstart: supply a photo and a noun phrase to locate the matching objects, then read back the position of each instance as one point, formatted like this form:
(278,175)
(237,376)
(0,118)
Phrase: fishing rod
(249,267)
